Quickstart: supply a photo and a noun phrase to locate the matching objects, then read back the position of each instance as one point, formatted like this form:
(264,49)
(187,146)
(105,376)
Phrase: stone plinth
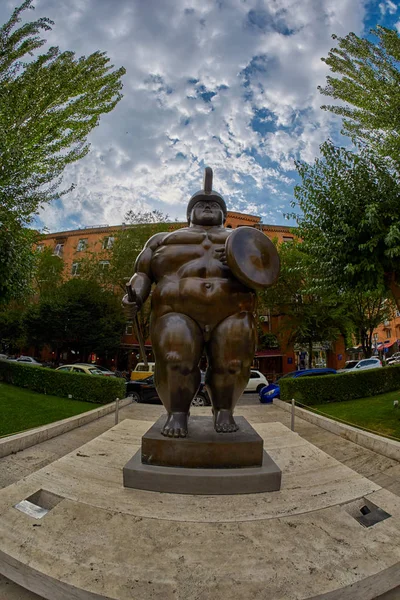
(205,462)
(203,448)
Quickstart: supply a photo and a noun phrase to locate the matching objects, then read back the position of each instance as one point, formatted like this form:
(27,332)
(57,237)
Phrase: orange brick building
(72,245)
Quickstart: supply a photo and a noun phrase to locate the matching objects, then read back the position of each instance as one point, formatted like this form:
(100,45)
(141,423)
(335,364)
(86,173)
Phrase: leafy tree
(49,103)
(128,243)
(83,316)
(366,310)
(350,221)
(305,312)
(48,273)
(12,328)
(368,82)
(17,260)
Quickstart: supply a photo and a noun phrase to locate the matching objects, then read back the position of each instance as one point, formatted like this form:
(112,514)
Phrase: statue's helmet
(207,194)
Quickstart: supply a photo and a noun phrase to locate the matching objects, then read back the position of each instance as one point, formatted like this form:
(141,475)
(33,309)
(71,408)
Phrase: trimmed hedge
(343,386)
(88,388)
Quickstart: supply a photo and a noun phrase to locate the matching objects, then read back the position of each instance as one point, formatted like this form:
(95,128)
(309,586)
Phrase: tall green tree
(367,80)
(308,313)
(82,316)
(49,103)
(122,254)
(349,218)
(48,272)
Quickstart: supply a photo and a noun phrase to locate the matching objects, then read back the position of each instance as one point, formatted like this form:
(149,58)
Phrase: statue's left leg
(230,354)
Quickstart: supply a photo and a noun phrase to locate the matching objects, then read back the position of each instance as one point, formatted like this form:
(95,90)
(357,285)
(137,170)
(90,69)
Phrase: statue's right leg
(177,346)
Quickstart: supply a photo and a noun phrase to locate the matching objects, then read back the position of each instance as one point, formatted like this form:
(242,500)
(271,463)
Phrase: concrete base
(178,480)
(99,540)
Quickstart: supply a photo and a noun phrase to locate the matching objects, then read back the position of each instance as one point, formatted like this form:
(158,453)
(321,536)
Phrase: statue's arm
(142,279)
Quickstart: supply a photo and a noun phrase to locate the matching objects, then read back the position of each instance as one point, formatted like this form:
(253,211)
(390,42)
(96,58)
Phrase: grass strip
(22,409)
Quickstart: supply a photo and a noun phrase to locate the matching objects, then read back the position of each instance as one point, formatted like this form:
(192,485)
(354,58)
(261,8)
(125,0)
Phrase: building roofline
(112,228)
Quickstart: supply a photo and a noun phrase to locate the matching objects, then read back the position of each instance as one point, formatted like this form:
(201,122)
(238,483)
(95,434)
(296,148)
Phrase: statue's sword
(136,326)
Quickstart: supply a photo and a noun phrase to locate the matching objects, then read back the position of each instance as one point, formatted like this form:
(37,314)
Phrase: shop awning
(268,353)
(383,345)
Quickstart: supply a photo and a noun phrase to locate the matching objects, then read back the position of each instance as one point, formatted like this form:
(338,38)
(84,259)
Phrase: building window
(75,268)
(58,250)
(82,245)
(129,329)
(39,248)
(104,264)
(287,238)
(388,333)
(108,243)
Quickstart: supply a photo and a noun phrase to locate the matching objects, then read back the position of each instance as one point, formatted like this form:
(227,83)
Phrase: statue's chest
(177,251)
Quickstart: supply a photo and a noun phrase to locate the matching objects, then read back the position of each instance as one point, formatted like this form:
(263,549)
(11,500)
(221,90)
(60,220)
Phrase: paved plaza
(378,469)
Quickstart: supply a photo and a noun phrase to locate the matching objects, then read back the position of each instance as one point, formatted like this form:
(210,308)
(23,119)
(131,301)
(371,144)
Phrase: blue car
(268,393)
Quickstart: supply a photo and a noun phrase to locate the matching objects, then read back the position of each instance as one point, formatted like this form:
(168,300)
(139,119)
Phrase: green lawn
(375,413)
(22,409)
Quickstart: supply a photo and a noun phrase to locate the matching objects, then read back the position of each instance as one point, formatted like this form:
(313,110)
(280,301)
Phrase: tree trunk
(310,354)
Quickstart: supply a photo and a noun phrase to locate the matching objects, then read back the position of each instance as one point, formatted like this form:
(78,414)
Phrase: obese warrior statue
(203,301)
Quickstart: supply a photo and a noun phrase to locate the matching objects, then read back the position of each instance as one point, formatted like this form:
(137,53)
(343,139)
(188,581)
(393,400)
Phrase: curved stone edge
(19,441)
(371,441)
(388,581)
(42,584)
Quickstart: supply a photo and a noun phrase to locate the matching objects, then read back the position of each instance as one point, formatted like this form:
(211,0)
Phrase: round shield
(252,257)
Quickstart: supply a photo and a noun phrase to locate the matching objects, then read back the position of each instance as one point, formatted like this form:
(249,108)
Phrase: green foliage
(350,219)
(48,273)
(128,244)
(311,312)
(340,387)
(87,388)
(368,83)
(12,328)
(49,103)
(366,310)
(17,261)
(82,315)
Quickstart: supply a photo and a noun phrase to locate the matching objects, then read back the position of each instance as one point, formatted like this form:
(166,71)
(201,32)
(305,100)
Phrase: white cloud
(388,7)
(254,56)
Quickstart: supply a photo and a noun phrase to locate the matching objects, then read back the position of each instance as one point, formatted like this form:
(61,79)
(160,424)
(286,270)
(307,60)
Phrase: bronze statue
(203,301)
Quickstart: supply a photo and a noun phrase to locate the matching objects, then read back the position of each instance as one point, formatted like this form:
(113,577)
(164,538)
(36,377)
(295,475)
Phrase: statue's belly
(206,300)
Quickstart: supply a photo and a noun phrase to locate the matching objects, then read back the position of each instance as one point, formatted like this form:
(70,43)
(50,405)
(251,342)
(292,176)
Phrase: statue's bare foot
(224,421)
(176,425)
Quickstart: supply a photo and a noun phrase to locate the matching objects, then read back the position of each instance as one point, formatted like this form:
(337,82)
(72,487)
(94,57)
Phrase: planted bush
(340,387)
(88,388)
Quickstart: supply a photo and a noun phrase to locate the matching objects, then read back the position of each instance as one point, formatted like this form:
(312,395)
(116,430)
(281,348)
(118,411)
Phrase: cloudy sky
(227,83)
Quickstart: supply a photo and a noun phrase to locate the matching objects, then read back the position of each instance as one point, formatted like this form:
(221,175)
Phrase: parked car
(105,371)
(87,369)
(256,382)
(267,394)
(28,360)
(3,357)
(145,391)
(365,363)
(141,371)
(349,364)
(394,359)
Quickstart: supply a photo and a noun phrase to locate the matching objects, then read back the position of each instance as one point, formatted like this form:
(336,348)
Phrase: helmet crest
(207,194)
